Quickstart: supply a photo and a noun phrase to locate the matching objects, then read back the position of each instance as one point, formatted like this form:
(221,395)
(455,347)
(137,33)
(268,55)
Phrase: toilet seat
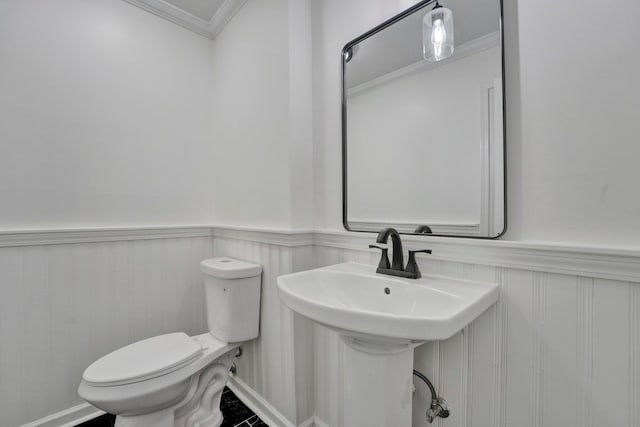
(143,360)
(168,387)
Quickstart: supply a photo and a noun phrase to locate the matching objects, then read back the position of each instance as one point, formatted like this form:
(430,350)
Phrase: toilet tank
(232,294)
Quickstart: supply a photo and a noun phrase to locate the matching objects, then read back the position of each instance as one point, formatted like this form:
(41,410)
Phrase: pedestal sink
(382,319)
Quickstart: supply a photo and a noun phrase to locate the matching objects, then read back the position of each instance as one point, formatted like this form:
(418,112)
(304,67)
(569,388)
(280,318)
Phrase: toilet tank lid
(229,268)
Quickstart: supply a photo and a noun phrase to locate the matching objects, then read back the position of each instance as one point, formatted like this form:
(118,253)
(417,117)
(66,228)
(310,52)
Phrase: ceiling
(203,9)
(204,17)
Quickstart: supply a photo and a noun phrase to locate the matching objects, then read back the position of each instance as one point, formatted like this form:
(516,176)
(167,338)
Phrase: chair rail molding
(59,236)
(584,260)
(292,238)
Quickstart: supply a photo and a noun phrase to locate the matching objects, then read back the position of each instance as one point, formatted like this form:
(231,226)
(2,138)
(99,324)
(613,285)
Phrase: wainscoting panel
(560,348)
(62,306)
(556,350)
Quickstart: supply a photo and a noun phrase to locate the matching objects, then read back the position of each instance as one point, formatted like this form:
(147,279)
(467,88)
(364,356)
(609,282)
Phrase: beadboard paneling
(560,348)
(62,306)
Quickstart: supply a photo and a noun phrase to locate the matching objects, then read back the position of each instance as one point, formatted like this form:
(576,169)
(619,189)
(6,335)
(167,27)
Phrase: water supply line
(438,407)
(234,368)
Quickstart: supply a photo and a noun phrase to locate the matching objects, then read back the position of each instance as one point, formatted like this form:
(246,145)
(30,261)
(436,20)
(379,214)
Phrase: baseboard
(314,422)
(68,418)
(310,422)
(270,415)
(317,422)
(261,407)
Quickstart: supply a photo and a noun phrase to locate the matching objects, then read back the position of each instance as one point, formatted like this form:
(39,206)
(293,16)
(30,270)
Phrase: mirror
(423,141)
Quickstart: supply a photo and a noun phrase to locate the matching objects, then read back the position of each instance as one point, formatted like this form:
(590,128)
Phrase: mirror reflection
(423,125)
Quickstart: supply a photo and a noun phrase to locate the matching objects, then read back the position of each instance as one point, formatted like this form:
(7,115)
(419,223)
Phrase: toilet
(174,379)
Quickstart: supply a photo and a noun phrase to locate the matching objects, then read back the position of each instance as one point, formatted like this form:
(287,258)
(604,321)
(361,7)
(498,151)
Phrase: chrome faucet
(397,266)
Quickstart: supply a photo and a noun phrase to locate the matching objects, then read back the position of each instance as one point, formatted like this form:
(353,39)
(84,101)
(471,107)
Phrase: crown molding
(223,15)
(174,14)
(209,29)
(470,48)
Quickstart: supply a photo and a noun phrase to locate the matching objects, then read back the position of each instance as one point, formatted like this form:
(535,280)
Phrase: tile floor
(236,414)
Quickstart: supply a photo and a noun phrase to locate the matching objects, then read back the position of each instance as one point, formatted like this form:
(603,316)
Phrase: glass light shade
(437,34)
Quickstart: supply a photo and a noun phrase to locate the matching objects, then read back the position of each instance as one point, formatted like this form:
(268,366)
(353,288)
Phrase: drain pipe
(438,407)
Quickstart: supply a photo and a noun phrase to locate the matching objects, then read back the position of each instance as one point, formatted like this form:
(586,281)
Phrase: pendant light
(437,34)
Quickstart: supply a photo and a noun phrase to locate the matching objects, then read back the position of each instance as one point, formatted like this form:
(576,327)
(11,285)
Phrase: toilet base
(200,407)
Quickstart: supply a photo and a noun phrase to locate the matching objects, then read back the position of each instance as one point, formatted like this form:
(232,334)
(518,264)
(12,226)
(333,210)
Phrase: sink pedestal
(378,381)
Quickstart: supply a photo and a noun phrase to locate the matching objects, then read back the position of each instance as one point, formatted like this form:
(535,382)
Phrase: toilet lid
(143,360)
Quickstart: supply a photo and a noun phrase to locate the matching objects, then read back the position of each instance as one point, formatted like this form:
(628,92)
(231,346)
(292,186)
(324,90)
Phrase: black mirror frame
(374,31)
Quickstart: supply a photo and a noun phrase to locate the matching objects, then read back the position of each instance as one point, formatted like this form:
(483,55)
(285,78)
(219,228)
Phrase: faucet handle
(384,258)
(412,265)
(423,229)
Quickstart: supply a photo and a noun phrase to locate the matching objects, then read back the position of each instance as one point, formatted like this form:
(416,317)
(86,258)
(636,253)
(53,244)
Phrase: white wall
(262,117)
(572,108)
(579,103)
(104,117)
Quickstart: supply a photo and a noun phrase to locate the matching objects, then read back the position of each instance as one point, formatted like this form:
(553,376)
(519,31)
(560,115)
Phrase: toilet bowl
(173,379)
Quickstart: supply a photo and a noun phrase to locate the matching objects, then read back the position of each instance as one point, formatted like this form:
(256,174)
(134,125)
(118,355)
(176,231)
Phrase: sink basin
(381,319)
(351,297)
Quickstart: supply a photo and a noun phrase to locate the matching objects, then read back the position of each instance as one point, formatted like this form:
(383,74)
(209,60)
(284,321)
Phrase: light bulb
(437,34)
(438,37)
